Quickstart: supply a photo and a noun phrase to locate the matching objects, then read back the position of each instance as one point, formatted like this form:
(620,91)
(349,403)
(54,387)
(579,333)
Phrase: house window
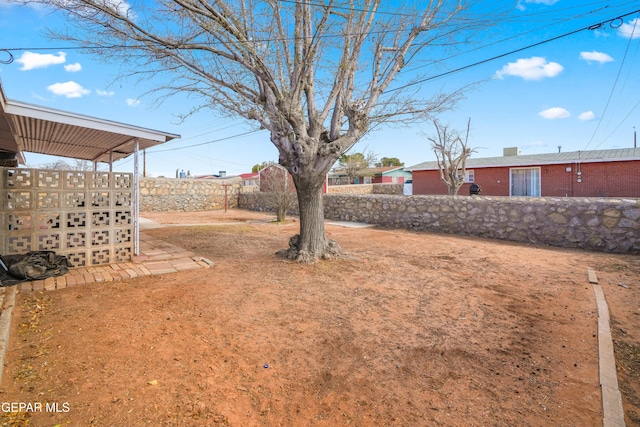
(525,182)
(469,175)
(367,180)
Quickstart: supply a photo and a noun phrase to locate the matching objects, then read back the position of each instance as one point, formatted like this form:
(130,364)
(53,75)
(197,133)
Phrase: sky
(576,91)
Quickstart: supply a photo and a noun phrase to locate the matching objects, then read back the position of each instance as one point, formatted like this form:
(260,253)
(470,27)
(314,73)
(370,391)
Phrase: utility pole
(634,137)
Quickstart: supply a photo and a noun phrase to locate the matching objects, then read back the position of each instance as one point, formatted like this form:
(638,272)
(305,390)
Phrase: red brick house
(275,178)
(250,180)
(379,175)
(595,173)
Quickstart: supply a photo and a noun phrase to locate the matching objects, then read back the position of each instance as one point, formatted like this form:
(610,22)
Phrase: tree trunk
(311,244)
(281,213)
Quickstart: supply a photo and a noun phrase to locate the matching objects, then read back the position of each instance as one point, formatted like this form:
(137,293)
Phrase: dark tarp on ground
(37,265)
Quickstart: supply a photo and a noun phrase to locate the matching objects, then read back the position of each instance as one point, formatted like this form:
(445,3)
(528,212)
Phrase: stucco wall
(167,194)
(611,225)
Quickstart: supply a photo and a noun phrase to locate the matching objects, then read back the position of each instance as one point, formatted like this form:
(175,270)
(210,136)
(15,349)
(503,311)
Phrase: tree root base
(331,250)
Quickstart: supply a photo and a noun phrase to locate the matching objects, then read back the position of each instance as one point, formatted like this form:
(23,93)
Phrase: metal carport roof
(36,129)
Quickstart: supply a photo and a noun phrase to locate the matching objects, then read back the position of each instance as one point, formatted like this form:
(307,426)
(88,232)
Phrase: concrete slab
(8,302)
(349,224)
(147,224)
(611,397)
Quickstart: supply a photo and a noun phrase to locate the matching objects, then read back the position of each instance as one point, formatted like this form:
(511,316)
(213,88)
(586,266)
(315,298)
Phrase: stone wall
(168,194)
(611,225)
(388,189)
(366,189)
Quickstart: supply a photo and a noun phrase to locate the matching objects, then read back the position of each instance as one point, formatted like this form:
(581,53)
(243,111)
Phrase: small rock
(153,382)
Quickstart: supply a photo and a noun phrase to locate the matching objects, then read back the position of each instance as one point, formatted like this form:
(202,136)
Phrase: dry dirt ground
(417,329)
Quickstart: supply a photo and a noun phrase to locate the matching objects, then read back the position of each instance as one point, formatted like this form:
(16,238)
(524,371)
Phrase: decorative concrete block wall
(175,195)
(86,216)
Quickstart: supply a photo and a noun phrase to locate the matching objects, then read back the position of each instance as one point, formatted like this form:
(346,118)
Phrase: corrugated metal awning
(36,129)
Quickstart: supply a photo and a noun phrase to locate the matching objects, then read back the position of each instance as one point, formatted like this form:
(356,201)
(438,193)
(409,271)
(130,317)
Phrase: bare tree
(277,191)
(355,165)
(452,153)
(317,75)
(76,165)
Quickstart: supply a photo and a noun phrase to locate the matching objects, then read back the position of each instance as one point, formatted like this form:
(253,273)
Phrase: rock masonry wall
(603,224)
(611,225)
(366,189)
(170,195)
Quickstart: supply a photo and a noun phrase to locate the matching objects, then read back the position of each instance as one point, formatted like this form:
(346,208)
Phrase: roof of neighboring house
(36,129)
(369,171)
(384,170)
(270,165)
(591,156)
(249,175)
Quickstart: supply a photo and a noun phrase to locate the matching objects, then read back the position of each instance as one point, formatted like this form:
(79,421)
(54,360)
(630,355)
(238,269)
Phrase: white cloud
(630,30)
(554,113)
(68,89)
(534,68)
(586,116)
(596,56)
(73,68)
(521,3)
(120,6)
(104,92)
(31,60)
(7,4)
(133,102)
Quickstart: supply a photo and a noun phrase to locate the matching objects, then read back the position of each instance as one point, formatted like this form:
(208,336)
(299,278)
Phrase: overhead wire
(420,81)
(588,27)
(511,52)
(8,50)
(615,83)
(211,142)
(515,36)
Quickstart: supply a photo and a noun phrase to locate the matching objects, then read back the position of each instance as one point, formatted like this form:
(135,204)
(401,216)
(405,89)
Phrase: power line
(515,36)
(493,58)
(11,59)
(615,83)
(209,142)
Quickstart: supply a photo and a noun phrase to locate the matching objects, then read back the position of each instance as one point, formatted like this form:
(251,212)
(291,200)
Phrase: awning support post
(136,200)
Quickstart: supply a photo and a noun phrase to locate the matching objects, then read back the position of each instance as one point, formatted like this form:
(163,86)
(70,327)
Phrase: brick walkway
(156,257)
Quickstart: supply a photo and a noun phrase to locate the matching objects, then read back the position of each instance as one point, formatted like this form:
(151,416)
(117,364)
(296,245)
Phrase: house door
(525,182)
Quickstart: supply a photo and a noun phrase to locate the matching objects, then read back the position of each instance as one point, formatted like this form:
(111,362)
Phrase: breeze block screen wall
(86,216)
